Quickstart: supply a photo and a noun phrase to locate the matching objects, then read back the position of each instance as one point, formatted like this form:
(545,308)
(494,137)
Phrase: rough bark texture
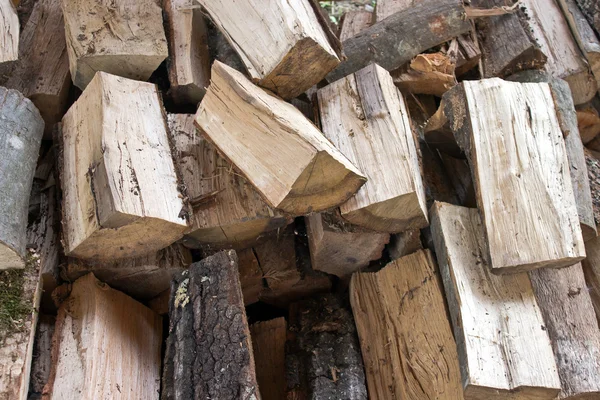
(591,10)
(21,133)
(323,358)
(209,352)
(41,359)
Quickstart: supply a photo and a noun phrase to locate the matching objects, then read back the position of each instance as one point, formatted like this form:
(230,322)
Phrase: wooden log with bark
(386,8)
(498,326)
(395,40)
(354,22)
(366,118)
(9,32)
(323,358)
(572,327)
(227,210)
(502,146)
(286,47)
(41,362)
(339,248)
(468,53)
(189,61)
(42,73)
(268,343)
(591,269)
(274,146)
(209,350)
(105,344)
(125,38)
(120,189)
(404,332)
(21,133)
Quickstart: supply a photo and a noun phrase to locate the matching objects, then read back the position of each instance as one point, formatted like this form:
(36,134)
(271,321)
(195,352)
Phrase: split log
(366,118)
(20,293)
(469,53)
(572,327)
(339,248)
(404,331)
(209,350)
(354,22)
(385,8)
(497,323)
(591,269)
(323,359)
(105,344)
(20,137)
(251,276)
(268,343)
(121,196)
(42,73)
(591,10)
(404,243)
(588,122)
(394,41)
(227,210)
(275,147)
(41,358)
(534,171)
(142,278)
(9,36)
(286,47)
(189,61)
(429,73)
(100,37)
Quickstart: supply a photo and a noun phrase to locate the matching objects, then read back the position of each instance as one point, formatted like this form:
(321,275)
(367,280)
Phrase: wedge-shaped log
(42,73)
(189,61)
(209,335)
(124,38)
(404,332)
(572,327)
(338,248)
(9,32)
(286,47)
(120,194)
(268,342)
(105,345)
(503,344)
(514,143)
(353,22)
(227,210)
(21,133)
(275,147)
(366,118)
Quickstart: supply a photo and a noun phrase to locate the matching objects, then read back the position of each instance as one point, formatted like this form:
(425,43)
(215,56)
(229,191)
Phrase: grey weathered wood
(397,39)
(21,130)
(591,10)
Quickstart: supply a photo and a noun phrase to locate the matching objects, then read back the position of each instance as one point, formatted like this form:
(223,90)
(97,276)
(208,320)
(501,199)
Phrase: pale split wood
(124,38)
(385,8)
(9,32)
(405,335)
(280,152)
(120,188)
(429,73)
(268,342)
(591,268)
(353,22)
(105,345)
(227,210)
(503,344)
(284,46)
(366,118)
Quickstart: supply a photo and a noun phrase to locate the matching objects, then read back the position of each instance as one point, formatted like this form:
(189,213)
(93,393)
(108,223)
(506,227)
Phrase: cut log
(429,73)
(567,119)
(572,327)
(142,278)
(227,210)
(21,133)
(42,73)
(588,122)
(404,243)
(20,293)
(251,276)
(591,10)
(354,22)
(338,248)
(120,189)
(591,269)
(323,359)
(394,41)
(125,38)
(275,147)
(366,118)
(404,331)
(268,342)
(209,350)
(42,356)
(91,358)
(495,123)
(385,8)
(189,61)
(9,32)
(286,47)
(497,323)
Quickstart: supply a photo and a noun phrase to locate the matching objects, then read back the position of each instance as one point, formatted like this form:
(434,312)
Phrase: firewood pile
(240,199)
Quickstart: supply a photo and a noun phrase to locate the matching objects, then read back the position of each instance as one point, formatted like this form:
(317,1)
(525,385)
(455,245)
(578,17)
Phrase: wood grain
(268,342)
(353,22)
(9,28)
(385,8)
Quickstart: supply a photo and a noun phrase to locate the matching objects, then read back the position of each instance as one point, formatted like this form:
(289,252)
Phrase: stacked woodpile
(229,199)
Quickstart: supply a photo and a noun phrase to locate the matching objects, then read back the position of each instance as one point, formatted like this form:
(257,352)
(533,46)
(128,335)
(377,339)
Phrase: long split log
(9,32)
